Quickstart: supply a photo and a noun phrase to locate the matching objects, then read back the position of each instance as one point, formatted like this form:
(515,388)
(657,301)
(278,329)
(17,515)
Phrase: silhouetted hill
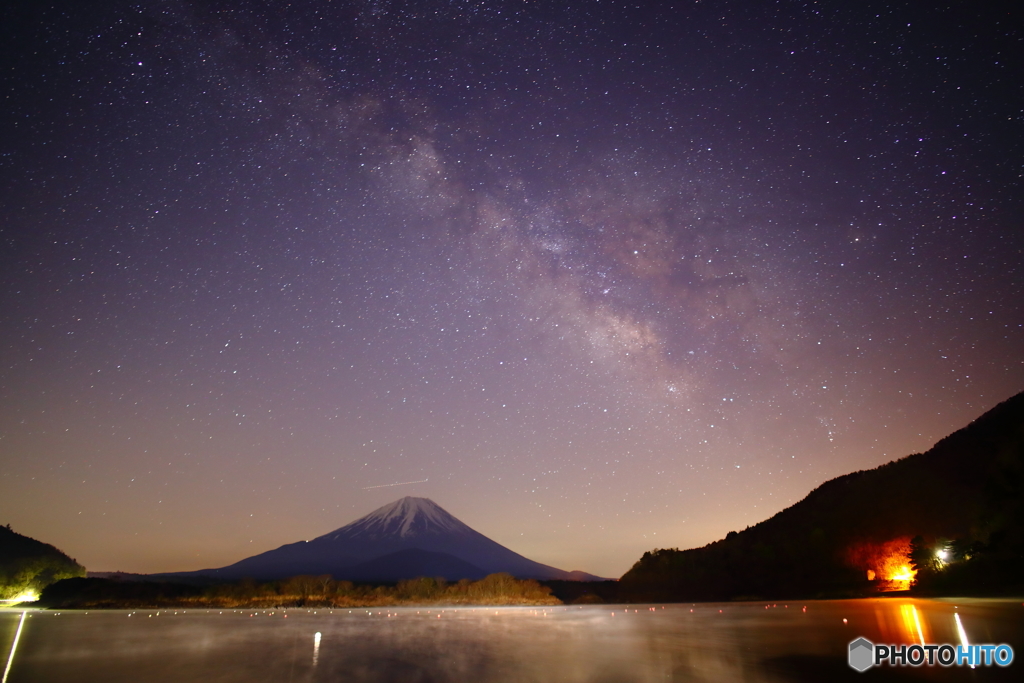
(30,565)
(963,498)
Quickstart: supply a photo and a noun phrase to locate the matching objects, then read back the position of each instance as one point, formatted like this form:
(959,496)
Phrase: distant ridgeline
(28,566)
(947,521)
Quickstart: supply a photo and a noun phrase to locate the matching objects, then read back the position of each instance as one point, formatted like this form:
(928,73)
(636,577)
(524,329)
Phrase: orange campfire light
(887,563)
(901,580)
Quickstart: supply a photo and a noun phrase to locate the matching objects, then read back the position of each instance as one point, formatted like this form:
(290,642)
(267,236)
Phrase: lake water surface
(795,641)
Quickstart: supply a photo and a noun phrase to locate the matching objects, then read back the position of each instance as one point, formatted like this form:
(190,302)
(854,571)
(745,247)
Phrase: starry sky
(595,277)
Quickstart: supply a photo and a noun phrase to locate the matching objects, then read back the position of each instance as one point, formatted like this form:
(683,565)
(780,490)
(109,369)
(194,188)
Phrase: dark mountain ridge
(963,496)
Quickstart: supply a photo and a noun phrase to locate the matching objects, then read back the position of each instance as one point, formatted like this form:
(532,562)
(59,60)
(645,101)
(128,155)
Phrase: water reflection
(803,641)
(962,633)
(903,625)
(14,646)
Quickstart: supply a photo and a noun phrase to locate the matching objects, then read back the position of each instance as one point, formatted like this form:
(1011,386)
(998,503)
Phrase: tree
(923,560)
(302,586)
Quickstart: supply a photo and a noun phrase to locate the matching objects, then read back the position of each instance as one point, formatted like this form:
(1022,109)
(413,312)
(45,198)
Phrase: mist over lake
(676,642)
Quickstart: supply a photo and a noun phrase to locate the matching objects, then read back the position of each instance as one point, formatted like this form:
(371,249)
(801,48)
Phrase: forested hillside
(948,520)
(28,565)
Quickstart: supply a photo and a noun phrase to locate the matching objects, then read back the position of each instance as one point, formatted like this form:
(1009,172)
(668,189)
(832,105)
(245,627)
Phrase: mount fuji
(405,539)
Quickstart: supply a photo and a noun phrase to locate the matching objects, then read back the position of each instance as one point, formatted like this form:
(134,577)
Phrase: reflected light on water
(14,646)
(902,623)
(961,632)
(706,643)
(912,623)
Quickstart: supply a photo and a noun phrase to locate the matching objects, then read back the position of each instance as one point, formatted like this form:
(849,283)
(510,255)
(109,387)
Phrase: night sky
(597,277)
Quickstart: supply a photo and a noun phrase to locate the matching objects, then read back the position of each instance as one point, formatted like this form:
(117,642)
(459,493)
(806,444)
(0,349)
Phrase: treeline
(586,592)
(298,591)
(28,565)
(744,569)
(995,568)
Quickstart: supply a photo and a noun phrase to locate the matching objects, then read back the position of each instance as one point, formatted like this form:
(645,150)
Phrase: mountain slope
(404,525)
(412,563)
(963,496)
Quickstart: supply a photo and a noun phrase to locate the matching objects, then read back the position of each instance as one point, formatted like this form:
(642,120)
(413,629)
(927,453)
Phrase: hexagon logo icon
(862,654)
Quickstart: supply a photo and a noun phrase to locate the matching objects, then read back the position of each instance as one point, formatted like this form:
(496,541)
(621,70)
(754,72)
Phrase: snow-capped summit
(404,518)
(402,540)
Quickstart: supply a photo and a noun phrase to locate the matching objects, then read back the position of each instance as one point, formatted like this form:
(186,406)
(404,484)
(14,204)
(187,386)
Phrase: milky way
(594,278)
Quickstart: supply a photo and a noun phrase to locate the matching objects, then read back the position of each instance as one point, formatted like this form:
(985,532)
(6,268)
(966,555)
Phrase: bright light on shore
(27,596)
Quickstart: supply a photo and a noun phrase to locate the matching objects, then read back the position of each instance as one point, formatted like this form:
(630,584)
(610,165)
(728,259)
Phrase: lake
(785,641)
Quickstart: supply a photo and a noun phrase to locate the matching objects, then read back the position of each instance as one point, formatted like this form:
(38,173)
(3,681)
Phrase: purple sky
(606,278)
